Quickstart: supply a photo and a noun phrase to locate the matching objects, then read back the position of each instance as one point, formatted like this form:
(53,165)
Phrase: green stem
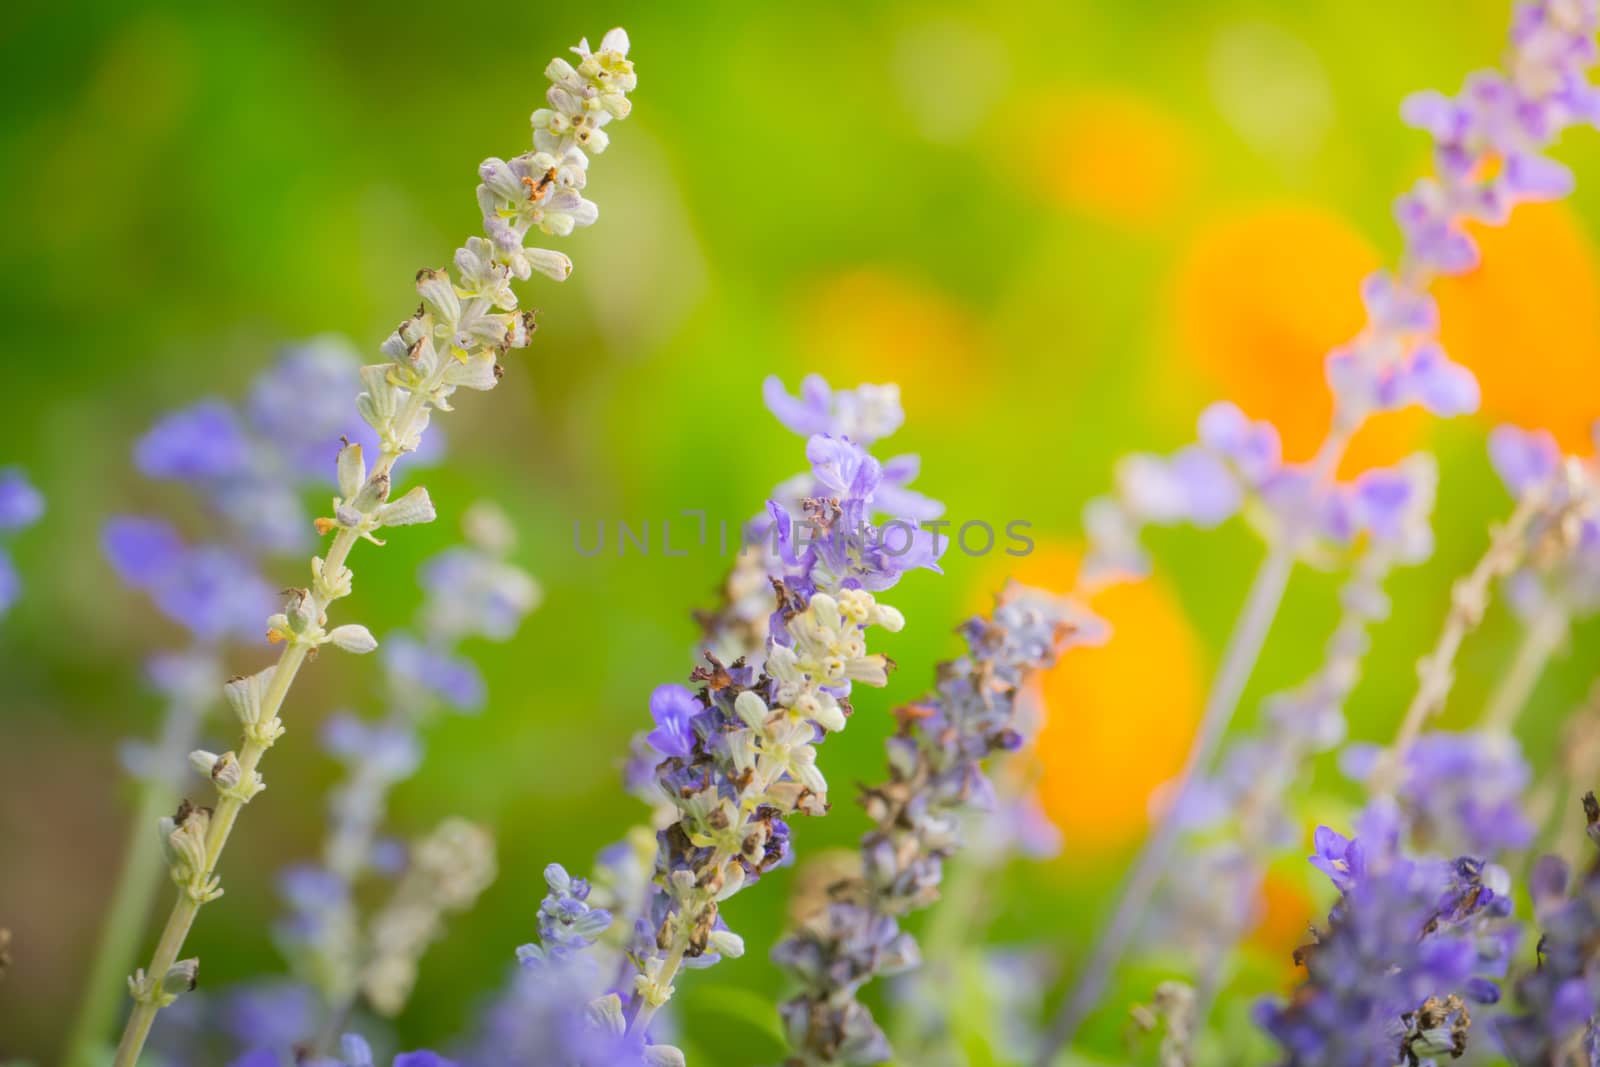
(1540,641)
(131,900)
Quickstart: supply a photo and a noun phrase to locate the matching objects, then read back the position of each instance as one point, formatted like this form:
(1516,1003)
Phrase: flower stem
(1244,648)
(1540,641)
(226,814)
(1468,600)
(187,907)
(139,879)
(126,916)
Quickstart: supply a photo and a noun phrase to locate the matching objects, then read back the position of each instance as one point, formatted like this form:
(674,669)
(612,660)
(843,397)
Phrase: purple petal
(141,551)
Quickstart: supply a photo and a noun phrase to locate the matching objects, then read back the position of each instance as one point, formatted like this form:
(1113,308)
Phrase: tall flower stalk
(1247,792)
(728,764)
(248,466)
(1489,145)
(936,767)
(467,320)
(741,754)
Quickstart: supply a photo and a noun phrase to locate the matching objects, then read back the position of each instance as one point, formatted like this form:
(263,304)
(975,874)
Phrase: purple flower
(674,710)
(1559,993)
(212,590)
(142,551)
(936,774)
(471,591)
(842,468)
(1192,486)
(1523,458)
(865,414)
(201,443)
(300,406)
(389,749)
(20,503)
(312,887)
(1395,308)
(455,680)
(422,1058)
(858,418)
(1338,857)
(1252,447)
(1462,792)
(273,1015)
(258,1057)
(10,583)
(1444,388)
(1405,939)
(567,924)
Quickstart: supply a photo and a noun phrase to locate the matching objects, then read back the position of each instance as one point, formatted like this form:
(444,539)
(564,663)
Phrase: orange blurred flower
(1110,154)
(868,324)
(1286,915)
(1527,322)
(1118,717)
(1258,300)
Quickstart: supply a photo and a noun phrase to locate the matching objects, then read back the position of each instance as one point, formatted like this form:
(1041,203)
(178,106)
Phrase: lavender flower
(729,764)
(863,415)
(215,592)
(250,465)
(936,773)
(1559,996)
(353,1052)
(1405,947)
(807,524)
(1394,362)
(557,1009)
(467,320)
(1235,817)
(1559,577)
(1461,792)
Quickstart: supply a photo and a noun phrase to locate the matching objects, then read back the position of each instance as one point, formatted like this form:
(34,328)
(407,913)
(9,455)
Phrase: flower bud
(352,470)
(374,492)
(353,637)
(244,694)
(181,978)
(726,942)
(299,610)
(751,708)
(185,838)
(551,264)
(413,508)
(203,761)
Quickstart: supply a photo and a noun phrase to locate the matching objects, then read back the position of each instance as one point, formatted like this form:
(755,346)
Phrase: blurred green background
(1062,227)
